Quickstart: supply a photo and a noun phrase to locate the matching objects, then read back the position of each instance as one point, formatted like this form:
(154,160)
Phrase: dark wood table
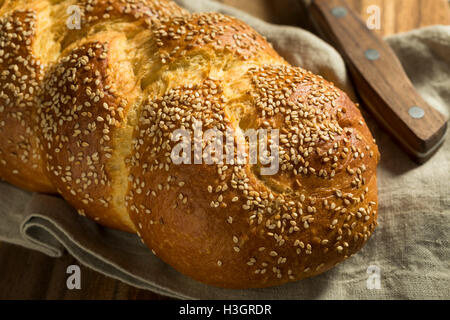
(26,274)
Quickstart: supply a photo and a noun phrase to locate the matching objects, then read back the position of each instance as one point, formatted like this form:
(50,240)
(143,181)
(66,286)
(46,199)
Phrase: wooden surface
(26,274)
(395,15)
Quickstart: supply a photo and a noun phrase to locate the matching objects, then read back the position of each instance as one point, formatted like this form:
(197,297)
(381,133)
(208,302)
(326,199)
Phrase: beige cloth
(410,246)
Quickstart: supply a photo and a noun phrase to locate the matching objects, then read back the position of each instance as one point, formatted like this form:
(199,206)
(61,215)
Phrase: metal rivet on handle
(339,12)
(416,112)
(372,54)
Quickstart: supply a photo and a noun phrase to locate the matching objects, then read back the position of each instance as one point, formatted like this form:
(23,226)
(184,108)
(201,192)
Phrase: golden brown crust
(177,36)
(228,226)
(21,73)
(26,59)
(115,91)
(80,115)
(23,66)
(94,10)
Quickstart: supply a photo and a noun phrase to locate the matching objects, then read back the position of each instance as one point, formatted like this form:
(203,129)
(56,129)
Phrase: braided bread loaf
(90,112)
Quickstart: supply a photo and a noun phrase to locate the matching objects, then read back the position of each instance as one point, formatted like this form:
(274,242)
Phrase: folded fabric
(409,251)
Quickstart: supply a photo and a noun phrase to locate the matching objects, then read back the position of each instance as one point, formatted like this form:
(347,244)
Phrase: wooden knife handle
(380,79)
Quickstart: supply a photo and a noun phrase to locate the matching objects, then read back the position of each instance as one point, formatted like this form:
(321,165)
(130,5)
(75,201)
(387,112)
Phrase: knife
(380,79)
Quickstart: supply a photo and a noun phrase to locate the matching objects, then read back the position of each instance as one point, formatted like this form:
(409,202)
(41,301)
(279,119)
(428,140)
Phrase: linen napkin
(408,256)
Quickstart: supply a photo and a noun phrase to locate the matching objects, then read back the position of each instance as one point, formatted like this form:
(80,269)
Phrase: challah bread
(98,127)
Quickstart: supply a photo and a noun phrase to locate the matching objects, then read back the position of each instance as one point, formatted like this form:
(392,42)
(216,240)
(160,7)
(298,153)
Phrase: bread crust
(91,114)
(21,162)
(24,62)
(228,226)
